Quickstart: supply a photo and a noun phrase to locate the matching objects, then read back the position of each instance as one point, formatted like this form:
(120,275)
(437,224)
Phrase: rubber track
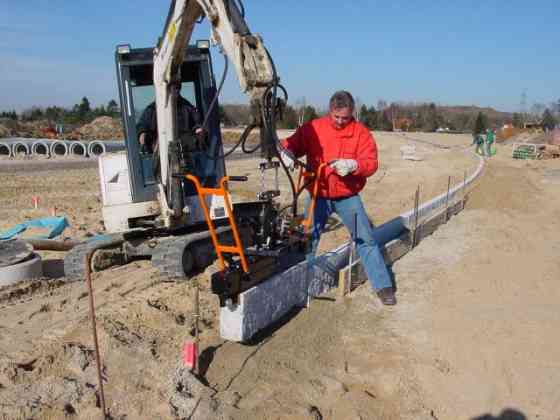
(74,260)
(168,255)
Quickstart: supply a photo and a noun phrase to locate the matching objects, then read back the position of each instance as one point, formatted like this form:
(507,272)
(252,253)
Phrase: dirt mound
(9,127)
(102,128)
(4,131)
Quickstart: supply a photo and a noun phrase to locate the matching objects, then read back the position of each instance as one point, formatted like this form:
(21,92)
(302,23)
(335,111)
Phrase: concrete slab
(268,302)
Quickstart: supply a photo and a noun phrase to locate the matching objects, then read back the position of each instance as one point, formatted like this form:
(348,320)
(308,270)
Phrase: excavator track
(177,257)
(75,259)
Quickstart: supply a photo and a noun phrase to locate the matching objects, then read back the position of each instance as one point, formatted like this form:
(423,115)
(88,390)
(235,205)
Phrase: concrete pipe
(78,149)
(98,148)
(5,151)
(20,149)
(41,148)
(59,148)
(29,269)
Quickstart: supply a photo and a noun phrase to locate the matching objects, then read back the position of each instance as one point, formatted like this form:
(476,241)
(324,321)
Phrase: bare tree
(357,107)
(394,114)
(537,110)
(381,104)
(299,106)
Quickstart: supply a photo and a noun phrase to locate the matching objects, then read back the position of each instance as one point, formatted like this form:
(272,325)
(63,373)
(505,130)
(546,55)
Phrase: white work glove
(287,158)
(344,166)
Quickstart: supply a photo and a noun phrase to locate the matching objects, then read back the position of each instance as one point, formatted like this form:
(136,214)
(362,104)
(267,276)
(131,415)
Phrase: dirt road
(473,332)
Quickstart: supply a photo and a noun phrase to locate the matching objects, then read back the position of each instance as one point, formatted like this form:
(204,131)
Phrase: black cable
(271,127)
(241,140)
(246,132)
(215,99)
(249,151)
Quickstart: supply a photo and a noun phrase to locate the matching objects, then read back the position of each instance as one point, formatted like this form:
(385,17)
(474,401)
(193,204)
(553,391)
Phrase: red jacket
(322,143)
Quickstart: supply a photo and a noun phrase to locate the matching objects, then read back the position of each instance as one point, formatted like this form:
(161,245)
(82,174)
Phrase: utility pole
(301,116)
(523,107)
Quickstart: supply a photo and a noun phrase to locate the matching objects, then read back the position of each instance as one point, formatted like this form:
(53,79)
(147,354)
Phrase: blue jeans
(352,212)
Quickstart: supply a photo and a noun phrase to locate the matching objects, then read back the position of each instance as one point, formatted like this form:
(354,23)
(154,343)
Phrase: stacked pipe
(41,148)
(21,148)
(5,150)
(98,148)
(18,146)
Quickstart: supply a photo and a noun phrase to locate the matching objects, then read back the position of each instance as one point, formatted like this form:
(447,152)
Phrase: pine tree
(481,124)
(84,109)
(112,108)
(309,113)
(517,120)
(548,121)
(369,117)
(433,118)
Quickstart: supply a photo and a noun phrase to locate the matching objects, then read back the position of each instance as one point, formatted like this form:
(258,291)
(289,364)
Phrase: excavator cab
(136,92)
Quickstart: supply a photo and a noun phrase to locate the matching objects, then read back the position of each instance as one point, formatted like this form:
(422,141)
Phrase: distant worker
(490,137)
(188,123)
(478,140)
(350,151)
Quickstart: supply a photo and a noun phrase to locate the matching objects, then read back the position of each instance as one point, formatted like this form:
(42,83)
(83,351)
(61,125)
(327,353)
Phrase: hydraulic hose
(246,132)
(215,99)
(270,125)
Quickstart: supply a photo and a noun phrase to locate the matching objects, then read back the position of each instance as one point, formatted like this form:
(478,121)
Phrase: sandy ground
(473,333)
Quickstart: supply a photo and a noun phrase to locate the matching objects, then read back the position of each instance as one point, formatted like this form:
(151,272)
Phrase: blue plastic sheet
(55,226)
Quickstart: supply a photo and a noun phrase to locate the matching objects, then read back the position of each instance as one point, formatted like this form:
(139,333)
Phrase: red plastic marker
(190,355)
(190,349)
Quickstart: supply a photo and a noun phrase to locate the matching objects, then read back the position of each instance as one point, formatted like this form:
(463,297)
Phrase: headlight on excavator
(203,44)
(123,49)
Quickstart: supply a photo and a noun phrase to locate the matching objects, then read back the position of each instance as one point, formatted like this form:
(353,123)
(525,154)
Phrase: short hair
(176,83)
(341,99)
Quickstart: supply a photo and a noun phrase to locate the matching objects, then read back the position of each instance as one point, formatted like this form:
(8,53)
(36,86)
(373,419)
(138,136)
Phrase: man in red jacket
(351,154)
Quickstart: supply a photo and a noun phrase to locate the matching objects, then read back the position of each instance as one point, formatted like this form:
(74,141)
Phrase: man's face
(340,117)
(176,88)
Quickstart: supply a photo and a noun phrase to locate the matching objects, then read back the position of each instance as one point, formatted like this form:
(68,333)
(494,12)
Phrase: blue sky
(448,51)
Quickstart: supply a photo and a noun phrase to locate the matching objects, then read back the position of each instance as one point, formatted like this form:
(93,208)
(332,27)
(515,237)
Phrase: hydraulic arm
(254,68)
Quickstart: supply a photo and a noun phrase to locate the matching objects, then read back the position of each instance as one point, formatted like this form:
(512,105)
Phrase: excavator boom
(254,68)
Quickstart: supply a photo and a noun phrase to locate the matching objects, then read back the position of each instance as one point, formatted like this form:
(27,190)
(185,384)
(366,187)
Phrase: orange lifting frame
(307,222)
(232,249)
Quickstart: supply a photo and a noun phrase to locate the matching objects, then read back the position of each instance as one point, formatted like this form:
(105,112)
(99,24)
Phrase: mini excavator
(173,205)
